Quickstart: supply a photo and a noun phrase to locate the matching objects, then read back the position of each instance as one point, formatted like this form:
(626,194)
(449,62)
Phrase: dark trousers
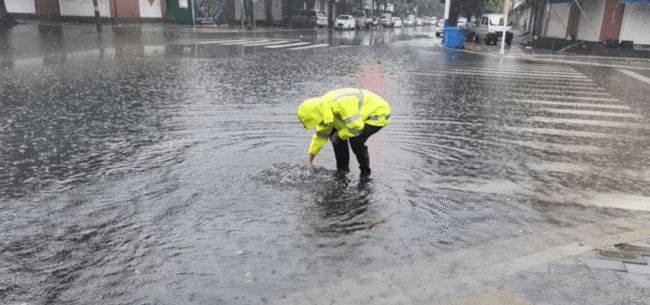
(359,148)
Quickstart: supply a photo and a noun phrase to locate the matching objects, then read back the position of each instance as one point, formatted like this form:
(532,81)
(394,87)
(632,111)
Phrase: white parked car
(419,21)
(344,22)
(426,20)
(397,22)
(409,20)
(321,20)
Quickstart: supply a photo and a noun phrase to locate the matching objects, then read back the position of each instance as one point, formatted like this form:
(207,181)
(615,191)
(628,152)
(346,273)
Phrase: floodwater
(180,180)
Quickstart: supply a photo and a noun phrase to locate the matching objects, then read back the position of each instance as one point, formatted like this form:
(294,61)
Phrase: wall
(20,6)
(636,24)
(594,9)
(124,9)
(148,10)
(47,8)
(557,22)
(612,20)
(83,8)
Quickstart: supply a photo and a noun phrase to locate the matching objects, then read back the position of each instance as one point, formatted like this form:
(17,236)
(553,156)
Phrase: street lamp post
(506,10)
(447,9)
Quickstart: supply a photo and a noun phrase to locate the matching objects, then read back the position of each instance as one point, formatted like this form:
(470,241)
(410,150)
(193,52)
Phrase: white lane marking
(635,75)
(256,44)
(594,113)
(221,41)
(311,46)
(288,45)
(552,71)
(580,149)
(504,72)
(529,91)
(582,98)
(585,63)
(244,42)
(574,104)
(529,76)
(561,132)
(615,200)
(598,123)
(524,67)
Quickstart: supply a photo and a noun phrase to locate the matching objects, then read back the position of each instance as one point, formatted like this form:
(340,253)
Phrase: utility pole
(506,10)
(253,12)
(98,19)
(447,10)
(241,13)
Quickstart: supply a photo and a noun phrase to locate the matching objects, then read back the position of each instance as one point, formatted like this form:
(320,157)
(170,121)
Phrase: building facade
(114,9)
(587,20)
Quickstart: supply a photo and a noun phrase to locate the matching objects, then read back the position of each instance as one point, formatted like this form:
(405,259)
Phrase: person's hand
(309,165)
(335,138)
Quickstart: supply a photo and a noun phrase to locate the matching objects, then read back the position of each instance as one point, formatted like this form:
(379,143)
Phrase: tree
(5,18)
(493,6)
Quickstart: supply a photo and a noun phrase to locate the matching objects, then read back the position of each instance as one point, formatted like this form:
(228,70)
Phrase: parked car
(397,22)
(418,21)
(426,20)
(386,20)
(409,20)
(360,19)
(321,19)
(304,18)
(344,22)
(490,28)
(434,20)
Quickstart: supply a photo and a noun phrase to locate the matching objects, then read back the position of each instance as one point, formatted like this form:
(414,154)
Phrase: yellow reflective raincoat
(347,110)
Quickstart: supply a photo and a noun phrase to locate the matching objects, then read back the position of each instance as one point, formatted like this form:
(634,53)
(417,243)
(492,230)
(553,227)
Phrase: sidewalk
(519,51)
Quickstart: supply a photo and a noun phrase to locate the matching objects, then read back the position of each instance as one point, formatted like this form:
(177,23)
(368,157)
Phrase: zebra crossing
(264,43)
(573,132)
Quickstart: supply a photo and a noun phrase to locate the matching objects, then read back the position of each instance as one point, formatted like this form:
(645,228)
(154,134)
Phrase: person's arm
(317,141)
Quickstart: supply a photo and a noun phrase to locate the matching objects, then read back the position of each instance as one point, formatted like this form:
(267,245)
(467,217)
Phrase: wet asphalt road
(169,170)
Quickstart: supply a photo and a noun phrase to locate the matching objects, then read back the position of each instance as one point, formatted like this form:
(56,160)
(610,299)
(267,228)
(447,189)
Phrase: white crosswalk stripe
(260,44)
(574,104)
(597,123)
(320,45)
(232,43)
(221,41)
(594,113)
(268,43)
(288,45)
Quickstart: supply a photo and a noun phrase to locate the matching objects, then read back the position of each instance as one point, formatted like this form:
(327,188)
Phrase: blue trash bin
(454,37)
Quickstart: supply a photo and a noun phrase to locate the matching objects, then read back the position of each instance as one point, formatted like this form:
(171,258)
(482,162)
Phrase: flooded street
(169,170)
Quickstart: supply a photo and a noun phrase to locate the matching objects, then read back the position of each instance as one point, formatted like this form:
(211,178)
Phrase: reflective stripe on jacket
(346,110)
